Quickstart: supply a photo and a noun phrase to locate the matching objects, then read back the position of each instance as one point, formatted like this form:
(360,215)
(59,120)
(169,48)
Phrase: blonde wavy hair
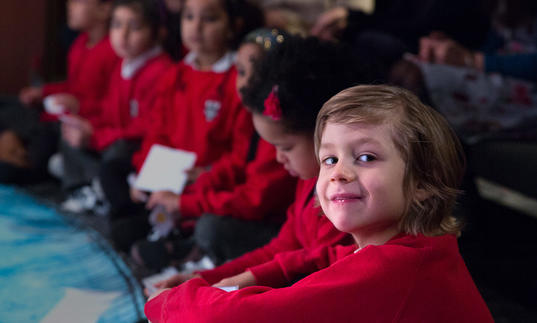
(432,152)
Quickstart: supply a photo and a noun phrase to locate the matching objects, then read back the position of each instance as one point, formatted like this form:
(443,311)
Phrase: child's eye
(135,25)
(366,158)
(188,16)
(330,161)
(286,148)
(115,24)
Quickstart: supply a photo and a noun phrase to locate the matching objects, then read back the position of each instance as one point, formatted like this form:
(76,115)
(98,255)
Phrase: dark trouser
(224,237)
(81,165)
(113,178)
(129,229)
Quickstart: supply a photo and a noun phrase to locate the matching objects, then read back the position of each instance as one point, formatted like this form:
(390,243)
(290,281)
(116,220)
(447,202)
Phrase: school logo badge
(134,109)
(212,108)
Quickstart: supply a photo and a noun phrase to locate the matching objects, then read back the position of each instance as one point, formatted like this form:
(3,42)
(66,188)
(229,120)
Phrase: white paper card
(229,288)
(164,169)
(82,306)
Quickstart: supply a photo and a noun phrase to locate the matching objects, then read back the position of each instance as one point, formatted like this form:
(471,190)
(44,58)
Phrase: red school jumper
(408,279)
(88,75)
(125,111)
(305,228)
(201,112)
(261,190)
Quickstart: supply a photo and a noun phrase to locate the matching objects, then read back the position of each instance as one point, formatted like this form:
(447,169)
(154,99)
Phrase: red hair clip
(272,105)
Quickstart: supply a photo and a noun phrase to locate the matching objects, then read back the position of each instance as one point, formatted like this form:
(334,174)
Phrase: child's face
(129,34)
(360,184)
(83,14)
(247,54)
(295,151)
(205,27)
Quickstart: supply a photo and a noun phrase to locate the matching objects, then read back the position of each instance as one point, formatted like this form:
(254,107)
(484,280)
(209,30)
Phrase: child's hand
(137,196)
(173,281)
(12,150)
(30,95)
(441,50)
(76,131)
(169,200)
(242,280)
(68,101)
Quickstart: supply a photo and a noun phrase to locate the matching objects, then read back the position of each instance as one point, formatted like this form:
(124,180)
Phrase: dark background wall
(32,42)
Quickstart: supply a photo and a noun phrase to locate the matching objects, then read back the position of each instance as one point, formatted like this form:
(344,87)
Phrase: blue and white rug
(54,270)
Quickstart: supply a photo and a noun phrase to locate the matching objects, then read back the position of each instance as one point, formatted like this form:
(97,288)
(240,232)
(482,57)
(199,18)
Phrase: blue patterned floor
(43,254)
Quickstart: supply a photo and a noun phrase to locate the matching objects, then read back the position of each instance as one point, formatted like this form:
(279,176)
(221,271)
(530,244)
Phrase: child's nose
(342,172)
(280,157)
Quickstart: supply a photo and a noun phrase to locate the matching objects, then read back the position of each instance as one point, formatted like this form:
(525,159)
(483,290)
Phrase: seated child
(389,172)
(125,110)
(198,110)
(89,61)
(287,120)
(240,207)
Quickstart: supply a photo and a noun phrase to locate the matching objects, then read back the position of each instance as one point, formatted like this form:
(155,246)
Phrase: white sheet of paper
(229,288)
(81,306)
(164,169)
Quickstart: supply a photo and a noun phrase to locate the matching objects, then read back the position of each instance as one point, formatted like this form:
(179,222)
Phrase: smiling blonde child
(389,176)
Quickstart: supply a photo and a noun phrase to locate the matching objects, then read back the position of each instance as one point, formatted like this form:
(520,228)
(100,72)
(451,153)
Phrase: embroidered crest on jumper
(212,108)
(134,109)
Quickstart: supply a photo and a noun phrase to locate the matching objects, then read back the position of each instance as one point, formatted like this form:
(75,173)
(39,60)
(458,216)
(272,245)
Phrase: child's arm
(266,188)
(196,301)
(285,241)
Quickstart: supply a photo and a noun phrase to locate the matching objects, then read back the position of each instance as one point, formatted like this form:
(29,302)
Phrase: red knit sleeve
(267,190)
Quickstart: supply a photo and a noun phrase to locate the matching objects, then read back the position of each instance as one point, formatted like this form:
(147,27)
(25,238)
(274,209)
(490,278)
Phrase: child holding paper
(390,169)
(239,208)
(198,108)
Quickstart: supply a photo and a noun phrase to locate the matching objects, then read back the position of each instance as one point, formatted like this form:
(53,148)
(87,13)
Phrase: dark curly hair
(307,72)
(244,16)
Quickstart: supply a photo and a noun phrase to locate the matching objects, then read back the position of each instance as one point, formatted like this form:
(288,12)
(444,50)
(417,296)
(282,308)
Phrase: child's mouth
(345,198)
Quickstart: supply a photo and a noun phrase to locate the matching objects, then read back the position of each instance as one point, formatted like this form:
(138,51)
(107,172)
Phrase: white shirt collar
(129,68)
(221,66)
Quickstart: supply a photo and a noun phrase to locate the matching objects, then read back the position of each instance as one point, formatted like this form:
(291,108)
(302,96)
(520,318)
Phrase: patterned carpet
(55,268)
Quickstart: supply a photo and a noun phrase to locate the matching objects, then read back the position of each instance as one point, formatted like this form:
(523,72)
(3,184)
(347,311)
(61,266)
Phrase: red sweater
(88,75)
(262,189)
(305,228)
(125,111)
(199,111)
(408,279)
